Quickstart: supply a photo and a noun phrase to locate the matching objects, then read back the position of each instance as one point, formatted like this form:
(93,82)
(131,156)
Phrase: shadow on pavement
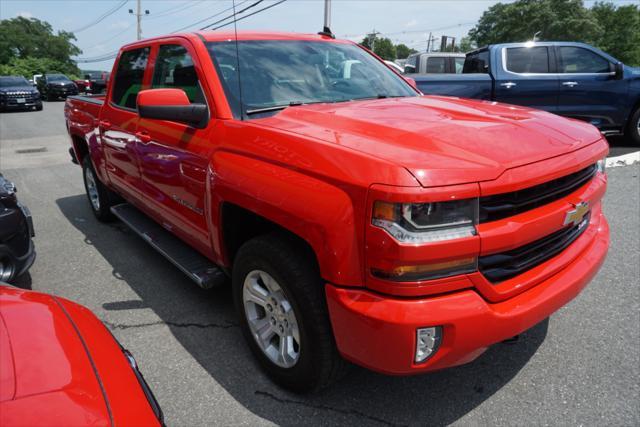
(204,323)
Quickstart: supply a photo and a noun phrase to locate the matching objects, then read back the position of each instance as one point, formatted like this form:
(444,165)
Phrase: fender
(82,125)
(318,212)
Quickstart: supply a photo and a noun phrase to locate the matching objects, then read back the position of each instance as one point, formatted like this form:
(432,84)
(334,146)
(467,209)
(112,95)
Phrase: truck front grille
(505,205)
(506,265)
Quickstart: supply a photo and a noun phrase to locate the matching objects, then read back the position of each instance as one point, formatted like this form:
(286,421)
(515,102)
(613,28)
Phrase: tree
(465,45)
(22,39)
(383,47)
(560,20)
(621,37)
(403,51)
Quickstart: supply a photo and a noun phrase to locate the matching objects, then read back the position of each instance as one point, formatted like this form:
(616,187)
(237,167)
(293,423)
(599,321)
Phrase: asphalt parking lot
(581,367)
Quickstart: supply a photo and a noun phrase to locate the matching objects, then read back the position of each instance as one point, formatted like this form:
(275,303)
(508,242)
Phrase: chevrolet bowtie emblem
(575,216)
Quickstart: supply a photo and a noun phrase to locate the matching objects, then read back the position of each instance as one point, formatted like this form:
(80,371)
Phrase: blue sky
(402,21)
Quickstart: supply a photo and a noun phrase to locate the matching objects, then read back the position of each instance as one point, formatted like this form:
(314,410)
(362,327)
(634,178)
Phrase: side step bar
(200,269)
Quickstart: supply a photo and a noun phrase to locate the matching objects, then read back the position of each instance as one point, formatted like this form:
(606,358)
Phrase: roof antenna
(326,31)
(235,30)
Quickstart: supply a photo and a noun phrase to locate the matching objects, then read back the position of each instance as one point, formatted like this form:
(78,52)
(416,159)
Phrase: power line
(251,14)
(101,17)
(110,38)
(208,17)
(232,15)
(177,9)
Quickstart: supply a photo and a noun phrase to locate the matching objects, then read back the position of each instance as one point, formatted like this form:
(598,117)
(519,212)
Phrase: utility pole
(139,17)
(429,43)
(372,39)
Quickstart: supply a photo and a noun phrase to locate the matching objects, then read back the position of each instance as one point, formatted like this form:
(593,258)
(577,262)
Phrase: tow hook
(512,340)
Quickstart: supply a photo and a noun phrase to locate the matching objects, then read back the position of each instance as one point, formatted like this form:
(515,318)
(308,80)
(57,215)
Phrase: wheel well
(80,147)
(240,225)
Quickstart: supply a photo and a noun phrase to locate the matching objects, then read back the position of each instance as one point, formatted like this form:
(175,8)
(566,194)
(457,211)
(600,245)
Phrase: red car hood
(45,372)
(441,140)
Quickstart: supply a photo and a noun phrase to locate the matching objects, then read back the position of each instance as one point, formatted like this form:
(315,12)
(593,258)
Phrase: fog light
(427,342)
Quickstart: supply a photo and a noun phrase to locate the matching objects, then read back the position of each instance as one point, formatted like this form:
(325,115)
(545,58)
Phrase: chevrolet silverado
(356,218)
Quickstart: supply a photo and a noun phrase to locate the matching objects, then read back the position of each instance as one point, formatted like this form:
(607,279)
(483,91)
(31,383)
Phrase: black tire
(101,206)
(633,128)
(39,107)
(294,269)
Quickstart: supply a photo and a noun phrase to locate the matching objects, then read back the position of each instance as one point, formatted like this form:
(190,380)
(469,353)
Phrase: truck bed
(478,86)
(83,111)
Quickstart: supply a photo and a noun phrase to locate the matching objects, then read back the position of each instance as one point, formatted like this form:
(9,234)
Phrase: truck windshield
(13,81)
(57,78)
(275,74)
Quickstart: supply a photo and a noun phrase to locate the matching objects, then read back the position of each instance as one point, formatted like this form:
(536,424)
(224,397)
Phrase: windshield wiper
(272,108)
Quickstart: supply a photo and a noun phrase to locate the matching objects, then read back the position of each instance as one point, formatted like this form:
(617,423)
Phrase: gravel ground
(580,367)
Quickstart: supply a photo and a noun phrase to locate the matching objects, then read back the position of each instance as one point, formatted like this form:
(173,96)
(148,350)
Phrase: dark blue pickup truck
(571,79)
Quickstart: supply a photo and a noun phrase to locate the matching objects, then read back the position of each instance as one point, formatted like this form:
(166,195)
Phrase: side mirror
(173,105)
(618,68)
(412,82)
(408,69)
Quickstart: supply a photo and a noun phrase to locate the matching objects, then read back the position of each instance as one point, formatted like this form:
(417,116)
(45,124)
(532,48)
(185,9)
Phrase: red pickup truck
(356,218)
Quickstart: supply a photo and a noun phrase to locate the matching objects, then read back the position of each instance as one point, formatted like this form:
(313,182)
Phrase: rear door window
(579,60)
(129,75)
(525,60)
(436,65)
(174,69)
(477,62)
(458,65)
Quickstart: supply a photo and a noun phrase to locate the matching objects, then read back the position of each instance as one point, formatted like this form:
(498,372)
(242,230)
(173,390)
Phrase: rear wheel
(633,128)
(100,197)
(279,297)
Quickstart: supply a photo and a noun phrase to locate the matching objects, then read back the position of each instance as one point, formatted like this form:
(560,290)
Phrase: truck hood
(440,140)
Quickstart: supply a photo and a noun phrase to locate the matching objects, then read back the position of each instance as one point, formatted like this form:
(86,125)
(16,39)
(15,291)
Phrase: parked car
(98,81)
(570,79)
(17,93)
(356,218)
(59,365)
(56,86)
(84,85)
(17,252)
(394,66)
(434,63)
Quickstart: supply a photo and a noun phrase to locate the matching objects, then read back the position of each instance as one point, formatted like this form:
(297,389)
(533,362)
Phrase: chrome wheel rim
(638,126)
(92,189)
(6,271)
(271,319)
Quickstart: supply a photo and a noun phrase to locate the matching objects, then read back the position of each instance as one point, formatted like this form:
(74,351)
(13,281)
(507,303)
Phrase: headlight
(601,165)
(427,222)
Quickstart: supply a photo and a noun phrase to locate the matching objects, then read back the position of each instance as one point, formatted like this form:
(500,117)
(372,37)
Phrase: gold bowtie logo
(575,216)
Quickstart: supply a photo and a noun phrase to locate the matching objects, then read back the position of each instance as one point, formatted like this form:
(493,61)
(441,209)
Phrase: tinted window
(57,78)
(13,81)
(411,64)
(436,65)
(174,69)
(458,64)
(276,73)
(579,60)
(528,59)
(129,77)
(477,62)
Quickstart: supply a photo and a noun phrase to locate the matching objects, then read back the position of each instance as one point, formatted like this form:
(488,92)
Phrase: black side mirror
(617,70)
(409,69)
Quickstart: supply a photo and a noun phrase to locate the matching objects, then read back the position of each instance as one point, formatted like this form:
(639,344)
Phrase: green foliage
(621,37)
(27,45)
(561,20)
(465,45)
(403,51)
(614,29)
(27,67)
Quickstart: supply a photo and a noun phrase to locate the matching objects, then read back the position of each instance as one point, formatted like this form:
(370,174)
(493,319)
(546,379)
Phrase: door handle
(143,136)
(105,124)
(570,84)
(508,85)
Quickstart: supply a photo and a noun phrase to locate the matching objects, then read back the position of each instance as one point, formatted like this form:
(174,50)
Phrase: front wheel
(100,197)
(633,128)
(280,299)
